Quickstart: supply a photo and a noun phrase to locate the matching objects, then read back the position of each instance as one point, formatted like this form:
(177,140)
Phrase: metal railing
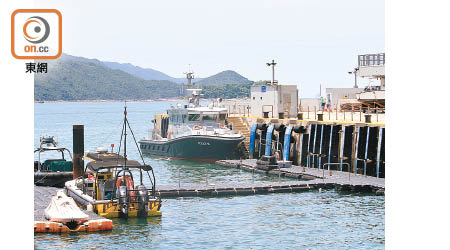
(371,59)
(326,164)
(365,165)
(335,113)
(335,163)
(308,158)
(238,109)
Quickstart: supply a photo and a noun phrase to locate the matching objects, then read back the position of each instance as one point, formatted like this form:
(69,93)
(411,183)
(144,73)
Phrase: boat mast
(189,77)
(125,134)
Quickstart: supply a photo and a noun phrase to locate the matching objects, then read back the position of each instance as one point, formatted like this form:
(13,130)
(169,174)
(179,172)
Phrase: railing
(371,59)
(365,165)
(308,159)
(238,109)
(325,164)
(338,164)
(347,113)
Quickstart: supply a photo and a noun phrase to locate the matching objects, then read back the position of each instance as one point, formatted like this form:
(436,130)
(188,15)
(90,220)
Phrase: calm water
(311,220)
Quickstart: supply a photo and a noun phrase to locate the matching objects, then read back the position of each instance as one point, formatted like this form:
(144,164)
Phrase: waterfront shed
(274,101)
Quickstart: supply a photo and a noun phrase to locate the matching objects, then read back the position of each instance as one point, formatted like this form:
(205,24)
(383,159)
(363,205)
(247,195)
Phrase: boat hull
(52,179)
(195,147)
(110,208)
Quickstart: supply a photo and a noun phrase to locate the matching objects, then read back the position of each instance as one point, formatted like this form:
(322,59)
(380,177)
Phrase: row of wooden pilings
(358,147)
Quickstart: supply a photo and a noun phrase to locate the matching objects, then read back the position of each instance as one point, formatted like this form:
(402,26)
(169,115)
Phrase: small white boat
(63,209)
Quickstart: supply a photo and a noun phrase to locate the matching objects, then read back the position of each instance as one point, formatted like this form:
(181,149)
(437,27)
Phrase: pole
(336,109)
(78,150)
(273,63)
(315,113)
(125,136)
(352,111)
(376,111)
(360,113)
(273,71)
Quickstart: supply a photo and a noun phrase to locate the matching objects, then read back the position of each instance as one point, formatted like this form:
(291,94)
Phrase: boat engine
(142,199)
(121,194)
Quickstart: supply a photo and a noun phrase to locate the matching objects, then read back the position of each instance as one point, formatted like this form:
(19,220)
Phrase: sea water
(307,220)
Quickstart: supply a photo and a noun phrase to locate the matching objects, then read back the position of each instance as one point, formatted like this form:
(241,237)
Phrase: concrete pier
(347,146)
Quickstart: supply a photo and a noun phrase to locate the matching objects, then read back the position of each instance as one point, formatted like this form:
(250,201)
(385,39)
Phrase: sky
(313,42)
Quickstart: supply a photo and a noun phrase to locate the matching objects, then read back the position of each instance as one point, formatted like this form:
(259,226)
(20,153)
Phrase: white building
(372,66)
(274,101)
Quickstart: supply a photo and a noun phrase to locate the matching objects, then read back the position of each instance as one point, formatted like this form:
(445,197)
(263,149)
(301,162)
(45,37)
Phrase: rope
(139,150)
(45,176)
(110,134)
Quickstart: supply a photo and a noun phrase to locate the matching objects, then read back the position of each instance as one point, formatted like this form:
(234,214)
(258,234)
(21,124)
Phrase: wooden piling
(341,145)
(78,150)
(354,148)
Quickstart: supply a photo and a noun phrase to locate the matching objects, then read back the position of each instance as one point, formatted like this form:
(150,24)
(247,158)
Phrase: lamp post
(354,72)
(273,63)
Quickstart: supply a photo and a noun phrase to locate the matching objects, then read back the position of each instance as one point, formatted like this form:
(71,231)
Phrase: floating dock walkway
(306,179)
(43,196)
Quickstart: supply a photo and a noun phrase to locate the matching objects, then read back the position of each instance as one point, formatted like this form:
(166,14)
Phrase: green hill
(224,78)
(78,78)
(227,91)
(143,73)
(84,80)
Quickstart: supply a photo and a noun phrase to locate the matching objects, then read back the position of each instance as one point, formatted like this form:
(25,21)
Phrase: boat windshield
(194,117)
(209,117)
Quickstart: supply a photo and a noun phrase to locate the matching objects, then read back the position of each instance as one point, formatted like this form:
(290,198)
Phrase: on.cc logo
(36,29)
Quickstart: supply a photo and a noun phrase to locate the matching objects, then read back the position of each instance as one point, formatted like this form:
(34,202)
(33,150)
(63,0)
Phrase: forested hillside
(77,80)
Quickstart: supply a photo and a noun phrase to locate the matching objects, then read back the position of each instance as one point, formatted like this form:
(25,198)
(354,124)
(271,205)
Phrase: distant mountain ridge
(223,78)
(86,80)
(143,73)
(78,78)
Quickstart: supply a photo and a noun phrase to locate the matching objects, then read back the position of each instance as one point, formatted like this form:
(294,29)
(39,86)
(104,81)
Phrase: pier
(356,147)
(303,179)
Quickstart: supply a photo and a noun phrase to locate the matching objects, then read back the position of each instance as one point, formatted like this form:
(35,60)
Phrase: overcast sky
(313,42)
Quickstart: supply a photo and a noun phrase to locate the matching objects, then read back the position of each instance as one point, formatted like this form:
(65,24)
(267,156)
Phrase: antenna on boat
(126,124)
(125,134)
(189,76)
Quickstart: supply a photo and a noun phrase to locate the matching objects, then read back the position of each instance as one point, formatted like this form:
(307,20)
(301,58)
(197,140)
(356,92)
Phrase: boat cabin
(181,116)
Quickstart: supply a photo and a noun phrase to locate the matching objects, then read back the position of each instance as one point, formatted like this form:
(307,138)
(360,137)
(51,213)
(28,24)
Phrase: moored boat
(52,172)
(115,186)
(193,132)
